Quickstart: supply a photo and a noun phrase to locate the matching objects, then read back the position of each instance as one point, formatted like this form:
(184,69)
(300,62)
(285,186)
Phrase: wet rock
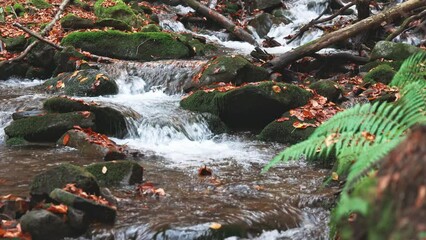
(95,211)
(113,23)
(60,176)
(17,142)
(284,132)
(234,69)
(87,82)
(328,89)
(109,119)
(49,127)
(15,44)
(382,73)
(92,144)
(151,28)
(42,224)
(119,11)
(27,114)
(267,4)
(13,207)
(252,106)
(14,69)
(196,45)
(42,57)
(117,172)
(66,60)
(215,124)
(263,22)
(77,220)
(393,51)
(133,46)
(73,22)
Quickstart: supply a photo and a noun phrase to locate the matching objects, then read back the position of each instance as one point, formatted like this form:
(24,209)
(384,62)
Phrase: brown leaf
(62,209)
(282,119)
(276,89)
(66,139)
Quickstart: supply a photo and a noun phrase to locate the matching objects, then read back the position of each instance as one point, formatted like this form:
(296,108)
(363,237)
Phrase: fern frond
(413,69)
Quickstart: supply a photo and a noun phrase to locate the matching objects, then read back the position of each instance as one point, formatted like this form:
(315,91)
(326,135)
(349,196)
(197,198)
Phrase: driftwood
(45,31)
(344,33)
(222,20)
(404,25)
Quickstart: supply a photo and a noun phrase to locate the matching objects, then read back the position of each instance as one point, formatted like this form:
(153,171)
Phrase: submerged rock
(227,69)
(87,82)
(60,176)
(49,127)
(108,119)
(133,46)
(95,211)
(117,172)
(43,224)
(393,51)
(92,144)
(252,106)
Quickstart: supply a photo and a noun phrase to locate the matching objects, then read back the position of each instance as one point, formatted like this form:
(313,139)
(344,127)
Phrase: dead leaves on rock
(99,139)
(71,188)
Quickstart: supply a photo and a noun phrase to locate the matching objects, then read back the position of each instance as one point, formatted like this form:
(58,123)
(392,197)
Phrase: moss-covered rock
(40,4)
(252,106)
(61,175)
(382,73)
(108,119)
(15,44)
(49,127)
(87,82)
(13,69)
(151,28)
(119,11)
(133,46)
(95,211)
(284,132)
(16,142)
(92,144)
(234,69)
(73,22)
(327,88)
(117,172)
(66,60)
(393,51)
(263,22)
(113,23)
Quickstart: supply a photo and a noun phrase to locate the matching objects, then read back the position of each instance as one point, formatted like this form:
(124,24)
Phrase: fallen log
(222,20)
(344,33)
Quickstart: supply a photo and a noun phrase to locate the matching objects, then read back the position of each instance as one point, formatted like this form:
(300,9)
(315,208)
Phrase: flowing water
(288,202)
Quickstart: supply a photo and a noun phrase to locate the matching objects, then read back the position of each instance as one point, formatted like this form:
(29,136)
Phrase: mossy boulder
(49,127)
(117,172)
(393,51)
(113,23)
(252,106)
(92,144)
(73,22)
(40,4)
(42,56)
(66,59)
(228,69)
(327,88)
(283,131)
(267,4)
(382,73)
(17,142)
(133,46)
(109,119)
(263,22)
(59,176)
(119,11)
(87,82)
(95,211)
(151,28)
(15,44)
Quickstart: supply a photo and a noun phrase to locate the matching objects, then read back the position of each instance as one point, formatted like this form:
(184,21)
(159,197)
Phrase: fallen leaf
(60,84)
(421,195)
(104,169)
(276,89)
(66,139)
(160,192)
(368,136)
(62,209)
(331,139)
(282,119)
(215,226)
(334,176)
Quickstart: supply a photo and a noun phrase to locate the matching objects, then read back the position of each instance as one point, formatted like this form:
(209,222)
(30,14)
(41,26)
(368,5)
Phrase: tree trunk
(344,33)
(222,20)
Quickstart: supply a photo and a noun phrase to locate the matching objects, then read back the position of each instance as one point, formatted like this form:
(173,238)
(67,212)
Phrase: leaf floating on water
(215,226)
(66,139)
(104,169)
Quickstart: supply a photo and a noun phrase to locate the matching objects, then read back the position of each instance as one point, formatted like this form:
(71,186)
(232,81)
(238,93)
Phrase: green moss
(16,141)
(393,51)
(284,132)
(15,44)
(71,21)
(40,4)
(133,46)
(119,11)
(327,88)
(113,23)
(201,101)
(49,127)
(19,9)
(382,73)
(151,28)
(117,172)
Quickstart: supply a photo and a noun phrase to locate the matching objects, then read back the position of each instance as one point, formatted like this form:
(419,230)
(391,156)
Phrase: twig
(36,35)
(405,24)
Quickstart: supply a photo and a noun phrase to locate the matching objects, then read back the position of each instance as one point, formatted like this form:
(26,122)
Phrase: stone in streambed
(60,176)
(227,69)
(92,144)
(252,106)
(327,88)
(109,119)
(382,73)
(95,211)
(87,82)
(117,172)
(73,22)
(43,224)
(49,127)
(393,51)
